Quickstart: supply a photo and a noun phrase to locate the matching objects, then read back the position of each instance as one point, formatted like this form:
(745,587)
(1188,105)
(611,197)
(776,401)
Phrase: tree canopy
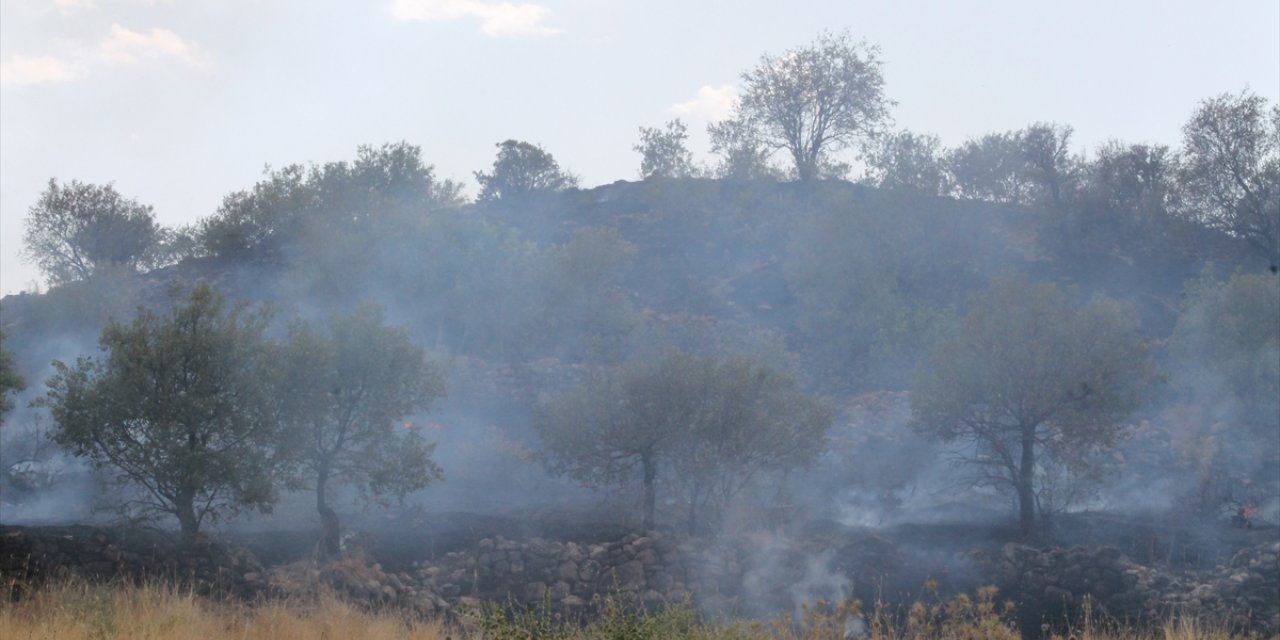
(665,152)
(76,229)
(522,168)
(714,422)
(1027,373)
(345,393)
(179,407)
(1231,169)
(816,100)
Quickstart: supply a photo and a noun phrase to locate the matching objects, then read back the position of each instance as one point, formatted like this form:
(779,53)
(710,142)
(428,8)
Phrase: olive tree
(716,422)
(179,407)
(813,101)
(75,229)
(345,392)
(1027,376)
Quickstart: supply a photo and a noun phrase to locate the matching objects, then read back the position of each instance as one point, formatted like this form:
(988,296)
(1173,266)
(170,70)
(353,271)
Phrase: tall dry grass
(74,611)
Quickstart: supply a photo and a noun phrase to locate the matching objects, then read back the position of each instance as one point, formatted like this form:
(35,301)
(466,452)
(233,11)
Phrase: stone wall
(745,576)
(1053,584)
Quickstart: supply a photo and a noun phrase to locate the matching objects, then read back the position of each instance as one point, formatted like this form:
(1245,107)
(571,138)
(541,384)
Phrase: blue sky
(179,103)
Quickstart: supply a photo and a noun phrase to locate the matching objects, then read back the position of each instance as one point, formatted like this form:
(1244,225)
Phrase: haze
(181,103)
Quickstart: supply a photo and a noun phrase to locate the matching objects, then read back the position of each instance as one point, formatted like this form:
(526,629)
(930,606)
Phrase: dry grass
(157,612)
(72,611)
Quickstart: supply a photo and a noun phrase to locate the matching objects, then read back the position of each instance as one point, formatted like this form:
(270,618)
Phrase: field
(73,610)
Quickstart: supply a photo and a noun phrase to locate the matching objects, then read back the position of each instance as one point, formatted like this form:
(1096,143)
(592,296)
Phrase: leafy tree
(743,155)
(344,394)
(910,162)
(75,229)
(729,418)
(752,421)
(1032,166)
(1124,199)
(522,168)
(664,152)
(338,204)
(990,168)
(816,100)
(178,406)
(1048,162)
(10,380)
(1025,377)
(1227,348)
(1231,169)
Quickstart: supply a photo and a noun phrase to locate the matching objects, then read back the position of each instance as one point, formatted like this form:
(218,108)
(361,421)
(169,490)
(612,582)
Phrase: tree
(664,152)
(340,204)
(10,380)
(344,395)
(1227,348)
(816,100)
(1031,166)
(990,168)
(1026,376)
(1124,199)
(729,419)
(743,155)
(522,168)
(752,421)
(178,406)
(75,229)
(910,162)
(1230,172)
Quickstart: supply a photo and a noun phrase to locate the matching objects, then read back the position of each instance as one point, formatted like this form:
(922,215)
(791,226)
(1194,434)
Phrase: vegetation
(74,611)
(1024,375)
(177,407)
(813,101)
(665,152)
(521,169)
(1232,169)
(540,286)
(77,229)
(712,424)
(10,380)
(344,395)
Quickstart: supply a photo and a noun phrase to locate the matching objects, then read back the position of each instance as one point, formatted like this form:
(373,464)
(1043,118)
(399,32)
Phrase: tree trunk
(184,508)
(330,536)
(650,494)
(1026,485)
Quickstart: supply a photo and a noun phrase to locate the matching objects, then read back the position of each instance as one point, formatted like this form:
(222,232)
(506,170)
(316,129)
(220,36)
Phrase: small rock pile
(1052,584)
(358,579)
(29,556)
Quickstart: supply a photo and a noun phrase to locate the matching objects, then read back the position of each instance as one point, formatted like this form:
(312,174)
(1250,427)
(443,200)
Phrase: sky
(179,103)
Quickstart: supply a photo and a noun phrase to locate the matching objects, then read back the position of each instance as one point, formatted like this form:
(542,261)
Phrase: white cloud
(497,19)
(19,71)
(125,46)
(711,103)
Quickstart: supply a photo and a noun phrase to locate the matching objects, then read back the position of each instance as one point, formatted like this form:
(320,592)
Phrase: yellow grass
(155,612)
